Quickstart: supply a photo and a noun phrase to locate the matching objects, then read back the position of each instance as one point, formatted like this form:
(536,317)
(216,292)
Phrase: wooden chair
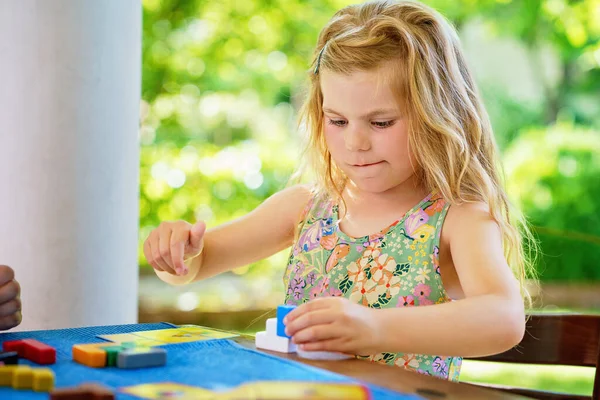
(558,339)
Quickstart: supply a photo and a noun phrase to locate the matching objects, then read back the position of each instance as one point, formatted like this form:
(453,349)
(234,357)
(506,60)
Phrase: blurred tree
(571,28)
(554,173)
(222,80)
(218,122)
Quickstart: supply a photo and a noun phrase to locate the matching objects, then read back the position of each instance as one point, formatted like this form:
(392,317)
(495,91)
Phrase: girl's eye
(337,122)
(383,124)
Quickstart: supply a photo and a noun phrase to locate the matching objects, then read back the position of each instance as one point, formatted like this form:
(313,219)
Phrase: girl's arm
(261,233)
(488,320)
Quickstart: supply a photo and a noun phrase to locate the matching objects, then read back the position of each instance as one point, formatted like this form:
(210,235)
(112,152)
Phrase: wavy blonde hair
(449,129)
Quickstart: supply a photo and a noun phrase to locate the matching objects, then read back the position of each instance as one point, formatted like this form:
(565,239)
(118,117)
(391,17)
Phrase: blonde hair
(449,129)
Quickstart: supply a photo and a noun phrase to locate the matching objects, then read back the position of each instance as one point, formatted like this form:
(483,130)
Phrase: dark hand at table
(10,299)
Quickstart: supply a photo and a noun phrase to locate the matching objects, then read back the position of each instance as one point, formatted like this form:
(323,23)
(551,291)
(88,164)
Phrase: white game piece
(272,327)
(274,343)
(322,355)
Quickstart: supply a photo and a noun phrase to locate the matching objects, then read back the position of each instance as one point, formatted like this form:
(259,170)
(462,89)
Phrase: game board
(217,365)
(182,334)
(255,390)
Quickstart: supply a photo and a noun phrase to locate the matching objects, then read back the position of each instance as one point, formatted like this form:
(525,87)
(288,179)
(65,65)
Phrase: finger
(196,235)
(316,333)
(9,291)
(157,258)
(10,321)
(147,252)
(149,256)
(6,274)
(178,240)
(307,320)
(164,245)
(9,308)
(337,345)
(313,305)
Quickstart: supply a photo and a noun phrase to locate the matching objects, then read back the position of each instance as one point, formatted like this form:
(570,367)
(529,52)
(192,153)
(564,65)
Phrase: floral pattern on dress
(395,267)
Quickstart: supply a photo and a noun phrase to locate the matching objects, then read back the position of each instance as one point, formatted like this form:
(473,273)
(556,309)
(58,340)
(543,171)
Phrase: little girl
(402,250)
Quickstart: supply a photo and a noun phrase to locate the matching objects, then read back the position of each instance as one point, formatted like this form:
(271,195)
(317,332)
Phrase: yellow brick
(6,374)
(43,379)
(22,378)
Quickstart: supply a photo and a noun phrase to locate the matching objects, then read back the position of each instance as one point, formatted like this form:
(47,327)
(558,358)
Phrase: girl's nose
(356,139)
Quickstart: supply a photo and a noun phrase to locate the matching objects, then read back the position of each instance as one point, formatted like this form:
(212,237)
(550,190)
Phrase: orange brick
(90,354)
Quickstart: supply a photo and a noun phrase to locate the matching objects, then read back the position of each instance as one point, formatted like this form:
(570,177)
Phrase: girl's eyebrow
(371,114)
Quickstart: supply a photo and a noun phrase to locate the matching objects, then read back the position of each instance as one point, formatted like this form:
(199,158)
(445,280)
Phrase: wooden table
(395,378)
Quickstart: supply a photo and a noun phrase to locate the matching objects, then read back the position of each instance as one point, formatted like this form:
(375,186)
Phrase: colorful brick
(22,377)
(43,379)
(87,391)
(39,352)
(9,358)
(32,350)
(91,355)
(282,311)
(142,357)
(6,374)
(14,345)
(112,352)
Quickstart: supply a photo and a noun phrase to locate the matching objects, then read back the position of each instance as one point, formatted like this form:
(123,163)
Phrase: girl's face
(365,131)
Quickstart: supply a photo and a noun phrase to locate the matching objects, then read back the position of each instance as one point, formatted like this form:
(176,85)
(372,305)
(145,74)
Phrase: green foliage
(218,127)
(222,82)
(554,174)
(552,378)
(571,29)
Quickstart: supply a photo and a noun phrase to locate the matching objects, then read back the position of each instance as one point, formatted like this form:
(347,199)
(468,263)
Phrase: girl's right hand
(172,243)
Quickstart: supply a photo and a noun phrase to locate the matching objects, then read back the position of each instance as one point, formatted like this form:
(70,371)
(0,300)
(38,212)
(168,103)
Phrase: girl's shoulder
(468,211)
(296,196)
(287,204)
(317,203)
(465,216)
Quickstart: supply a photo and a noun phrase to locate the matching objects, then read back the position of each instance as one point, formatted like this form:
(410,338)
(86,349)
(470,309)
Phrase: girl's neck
(409,192)
(404,196)
(364,213)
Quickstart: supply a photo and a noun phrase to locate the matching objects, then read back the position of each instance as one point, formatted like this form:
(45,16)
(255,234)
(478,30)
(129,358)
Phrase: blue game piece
(282,311)
(141,357)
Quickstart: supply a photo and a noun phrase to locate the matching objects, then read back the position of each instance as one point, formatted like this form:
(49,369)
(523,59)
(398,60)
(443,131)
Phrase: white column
(69,158)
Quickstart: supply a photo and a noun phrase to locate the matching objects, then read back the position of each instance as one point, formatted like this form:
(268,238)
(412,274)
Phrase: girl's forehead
(356,92)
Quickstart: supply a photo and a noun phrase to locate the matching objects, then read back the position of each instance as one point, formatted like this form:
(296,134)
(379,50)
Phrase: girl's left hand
(334,324)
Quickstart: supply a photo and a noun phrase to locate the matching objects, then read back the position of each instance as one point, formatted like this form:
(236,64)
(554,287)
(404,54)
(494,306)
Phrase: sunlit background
(222,83)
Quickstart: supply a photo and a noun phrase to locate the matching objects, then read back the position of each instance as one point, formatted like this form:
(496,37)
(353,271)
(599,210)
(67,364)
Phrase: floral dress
(396,267)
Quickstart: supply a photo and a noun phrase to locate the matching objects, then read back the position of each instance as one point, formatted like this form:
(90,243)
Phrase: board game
(201,363)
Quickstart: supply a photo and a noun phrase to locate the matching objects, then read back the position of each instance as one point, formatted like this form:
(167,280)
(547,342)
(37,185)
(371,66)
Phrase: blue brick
(282,311)
(140,357)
